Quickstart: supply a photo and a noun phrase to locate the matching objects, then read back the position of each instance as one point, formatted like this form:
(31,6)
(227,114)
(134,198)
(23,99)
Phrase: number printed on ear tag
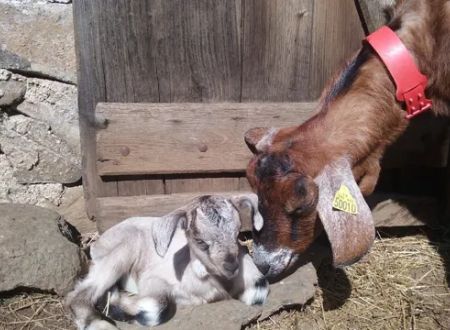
(344,201)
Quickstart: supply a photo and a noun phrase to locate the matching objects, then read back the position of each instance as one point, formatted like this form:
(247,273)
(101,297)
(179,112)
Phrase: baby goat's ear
(164,229)
(247,207)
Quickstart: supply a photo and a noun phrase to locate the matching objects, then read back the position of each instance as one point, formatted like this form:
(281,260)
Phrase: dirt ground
(402,284)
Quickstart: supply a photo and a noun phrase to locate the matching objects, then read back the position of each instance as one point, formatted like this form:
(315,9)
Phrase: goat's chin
(222,273)
(230,275)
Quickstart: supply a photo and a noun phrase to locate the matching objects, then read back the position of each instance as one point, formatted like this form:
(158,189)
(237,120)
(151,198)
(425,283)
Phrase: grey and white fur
(188,257)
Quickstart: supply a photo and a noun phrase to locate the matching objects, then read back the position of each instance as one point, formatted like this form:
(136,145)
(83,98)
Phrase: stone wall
(39,137)
(40,163)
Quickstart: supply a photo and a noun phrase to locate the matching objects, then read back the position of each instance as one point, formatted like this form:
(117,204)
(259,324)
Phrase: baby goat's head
(212,225)
(212,230)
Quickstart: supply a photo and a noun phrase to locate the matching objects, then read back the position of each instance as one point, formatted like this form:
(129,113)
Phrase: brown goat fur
(357,118)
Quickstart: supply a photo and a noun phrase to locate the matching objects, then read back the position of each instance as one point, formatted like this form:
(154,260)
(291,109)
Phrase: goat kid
(188,257)
(295,170)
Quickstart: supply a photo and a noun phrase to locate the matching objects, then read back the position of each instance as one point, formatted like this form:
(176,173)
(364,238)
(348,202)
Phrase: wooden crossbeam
(181,138)
(172,138)
(387,210)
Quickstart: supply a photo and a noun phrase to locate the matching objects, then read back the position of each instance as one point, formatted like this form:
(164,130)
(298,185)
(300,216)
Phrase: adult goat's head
(296,185)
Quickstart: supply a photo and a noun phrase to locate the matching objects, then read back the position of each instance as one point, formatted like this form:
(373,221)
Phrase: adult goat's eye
(201,244)
(300,211)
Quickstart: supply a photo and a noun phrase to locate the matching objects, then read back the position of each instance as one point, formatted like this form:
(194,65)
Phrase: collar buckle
(409,81)
(416,102)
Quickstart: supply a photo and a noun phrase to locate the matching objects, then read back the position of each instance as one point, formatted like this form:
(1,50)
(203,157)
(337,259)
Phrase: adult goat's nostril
(231,266)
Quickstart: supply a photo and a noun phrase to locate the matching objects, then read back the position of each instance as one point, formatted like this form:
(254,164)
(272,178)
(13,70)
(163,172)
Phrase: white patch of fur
(258,221)
(279,259)
(254,295)
(129,284)
(199,269)
(152,310)
(266,140)
(100,325)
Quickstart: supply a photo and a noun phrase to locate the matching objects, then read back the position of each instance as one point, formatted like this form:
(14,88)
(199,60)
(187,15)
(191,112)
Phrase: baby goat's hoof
(256,294)
(153,311)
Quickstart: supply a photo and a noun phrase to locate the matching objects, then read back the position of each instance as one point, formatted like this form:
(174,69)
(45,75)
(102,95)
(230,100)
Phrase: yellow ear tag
(344,201)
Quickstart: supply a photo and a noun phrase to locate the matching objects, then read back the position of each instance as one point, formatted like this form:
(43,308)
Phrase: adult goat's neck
(357,114)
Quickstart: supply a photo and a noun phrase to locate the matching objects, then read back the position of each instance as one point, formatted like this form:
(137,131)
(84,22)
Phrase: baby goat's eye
(201,244)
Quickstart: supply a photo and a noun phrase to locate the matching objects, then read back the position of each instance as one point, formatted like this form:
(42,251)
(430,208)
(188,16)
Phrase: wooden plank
(114,64)
(276,45)
(140,186)
(391,210)
(90,90)
(198,59)
(244,185)
(446,220)
(152,51)
(337,34)
(388,211)
(185,138)
(200,185)
(373,13)
(197,50)
(112,210)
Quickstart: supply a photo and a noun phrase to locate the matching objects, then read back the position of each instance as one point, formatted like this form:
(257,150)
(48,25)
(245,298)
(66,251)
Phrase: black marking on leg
(168,312)
(258,301)
(261,283)
(143,319)
(118,314)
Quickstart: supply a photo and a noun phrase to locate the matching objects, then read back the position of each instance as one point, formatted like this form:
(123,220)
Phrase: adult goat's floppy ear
(344,213)
(247,206)
(258,139)
(164,229)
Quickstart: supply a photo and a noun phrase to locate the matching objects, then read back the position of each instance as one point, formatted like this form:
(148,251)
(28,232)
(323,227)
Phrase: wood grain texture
(276,43)
(112,210)
(446,218)
(90,90)
(185,138)
(336,36)
(152,51)
(372,13)
(197,50)
(402,211)
(197,58)
(127,186)
(201,185)
(388,211)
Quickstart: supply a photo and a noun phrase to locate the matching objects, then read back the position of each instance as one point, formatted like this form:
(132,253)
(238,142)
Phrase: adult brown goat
(296,171)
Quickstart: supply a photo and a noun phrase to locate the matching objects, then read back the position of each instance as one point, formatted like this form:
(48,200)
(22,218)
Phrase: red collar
(409,80)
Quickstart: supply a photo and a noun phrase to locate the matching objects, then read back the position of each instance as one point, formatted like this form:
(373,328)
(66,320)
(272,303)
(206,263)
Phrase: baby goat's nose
(231,266)
(231,263)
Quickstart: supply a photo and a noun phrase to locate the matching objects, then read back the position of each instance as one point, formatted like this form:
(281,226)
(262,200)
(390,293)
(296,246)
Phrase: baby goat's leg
(104,273)
(152,305)
(250,287)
